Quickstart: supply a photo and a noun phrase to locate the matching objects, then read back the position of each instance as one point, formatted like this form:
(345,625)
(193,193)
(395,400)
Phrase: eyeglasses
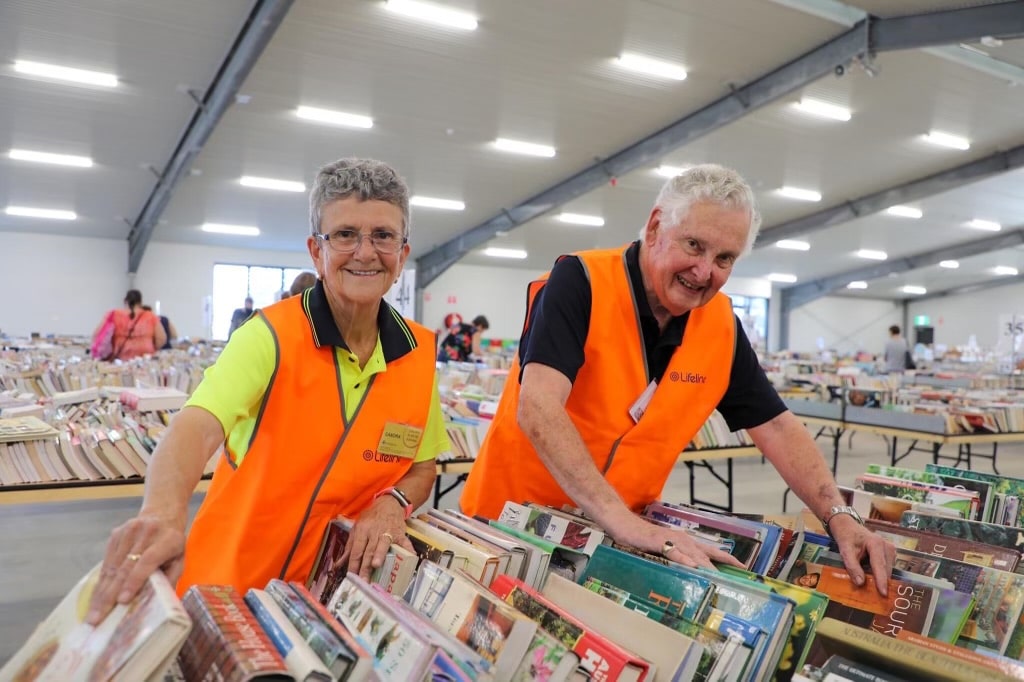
(347,241)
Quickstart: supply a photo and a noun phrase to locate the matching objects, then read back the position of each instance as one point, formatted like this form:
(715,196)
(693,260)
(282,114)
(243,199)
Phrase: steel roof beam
(263,21)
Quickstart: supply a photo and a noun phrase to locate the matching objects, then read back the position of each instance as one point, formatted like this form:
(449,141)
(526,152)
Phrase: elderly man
(625,354)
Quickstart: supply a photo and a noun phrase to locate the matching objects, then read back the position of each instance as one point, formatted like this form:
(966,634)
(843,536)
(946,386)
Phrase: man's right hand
(683,550)
(135,549)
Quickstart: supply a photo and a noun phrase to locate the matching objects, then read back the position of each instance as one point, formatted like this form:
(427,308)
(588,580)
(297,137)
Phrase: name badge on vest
(640,406)
(400,440)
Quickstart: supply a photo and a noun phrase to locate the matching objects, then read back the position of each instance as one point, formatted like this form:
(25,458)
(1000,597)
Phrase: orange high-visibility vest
(306,463)
(636,458)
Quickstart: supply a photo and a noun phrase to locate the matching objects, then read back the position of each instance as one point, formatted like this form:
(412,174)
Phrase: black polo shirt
(560,320)
(396,339)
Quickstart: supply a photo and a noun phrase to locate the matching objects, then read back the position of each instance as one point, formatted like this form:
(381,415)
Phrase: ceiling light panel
(650,67)
(914,289)
(670,171)
(47,157)
(45,213)
(340,118)
(782,277)
(816,107)
(240,230)
(799,193)
(871,254)
(496,252)
(949,264)
(581,219)
(793,245)
(66,73)
(434,202)
(1003,270)
(905,212)
(857,285)
(272,183)
(987,225)
(433,13)
(528,148)
(941,139)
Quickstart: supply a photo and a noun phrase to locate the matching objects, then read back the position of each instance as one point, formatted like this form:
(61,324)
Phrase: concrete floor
(46,548)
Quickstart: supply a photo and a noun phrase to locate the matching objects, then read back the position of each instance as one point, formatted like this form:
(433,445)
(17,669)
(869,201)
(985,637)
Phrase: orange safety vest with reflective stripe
(635,458)
(306,463)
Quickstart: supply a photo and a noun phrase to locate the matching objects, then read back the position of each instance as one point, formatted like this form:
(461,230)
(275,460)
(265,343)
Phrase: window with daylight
(233,283)
(753,313)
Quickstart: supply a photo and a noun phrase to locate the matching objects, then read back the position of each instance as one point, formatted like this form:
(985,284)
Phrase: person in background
(240,315)
(169,331)
(326,404)
(137,331)
(626,353)
(896,351)
(480,325)
(457,345)
(302,281)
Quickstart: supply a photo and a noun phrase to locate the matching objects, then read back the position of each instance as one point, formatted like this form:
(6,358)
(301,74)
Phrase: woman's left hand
(381,524)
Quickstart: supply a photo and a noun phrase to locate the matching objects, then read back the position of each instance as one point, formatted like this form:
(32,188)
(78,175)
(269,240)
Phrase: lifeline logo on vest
(371,456)
(688,377)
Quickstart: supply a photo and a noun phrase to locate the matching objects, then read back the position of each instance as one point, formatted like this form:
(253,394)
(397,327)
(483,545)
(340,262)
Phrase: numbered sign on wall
(402,295)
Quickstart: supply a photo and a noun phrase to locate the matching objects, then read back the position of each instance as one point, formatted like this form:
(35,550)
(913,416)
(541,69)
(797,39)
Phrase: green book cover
(674,588)
(1000,484)
(983,488)
(996,534)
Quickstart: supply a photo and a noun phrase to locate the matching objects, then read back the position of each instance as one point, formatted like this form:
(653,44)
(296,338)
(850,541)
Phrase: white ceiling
(533,70)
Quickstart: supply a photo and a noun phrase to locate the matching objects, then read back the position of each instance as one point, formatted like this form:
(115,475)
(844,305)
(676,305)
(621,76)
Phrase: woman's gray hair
(368,179)
(707,182)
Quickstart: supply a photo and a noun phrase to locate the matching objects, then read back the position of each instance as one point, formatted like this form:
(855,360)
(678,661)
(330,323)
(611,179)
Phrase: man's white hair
(707,182)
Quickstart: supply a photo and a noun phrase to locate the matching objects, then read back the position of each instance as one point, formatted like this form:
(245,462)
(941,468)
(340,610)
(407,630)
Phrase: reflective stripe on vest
(305,464)
(636,459)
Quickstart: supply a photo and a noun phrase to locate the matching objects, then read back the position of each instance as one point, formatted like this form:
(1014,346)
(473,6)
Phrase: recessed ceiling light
(651,67)
(520,147)
(987,225)
(783,277)
(913,289)
(821,109)
(46,157)
(432,13)
(670,171)
(799,193)
(336,117)
(1004,270)
(949,264)
(496,252)
(942,139)
(871,254)
(905,211)
(581,219)
(48,213)
(433,202)
(221,228)
(857,285)
(793,245)
(271,183)
(66,73)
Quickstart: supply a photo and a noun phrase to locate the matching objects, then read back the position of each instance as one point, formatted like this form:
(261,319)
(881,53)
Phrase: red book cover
(601,658)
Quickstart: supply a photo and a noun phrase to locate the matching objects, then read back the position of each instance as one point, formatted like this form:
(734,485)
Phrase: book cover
(335,653)
(983,488)
(996,534)
(135,641)
(1003,485)
(968,551)
(302,662)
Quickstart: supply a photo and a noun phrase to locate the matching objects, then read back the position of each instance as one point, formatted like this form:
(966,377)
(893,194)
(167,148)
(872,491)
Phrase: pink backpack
(103,343)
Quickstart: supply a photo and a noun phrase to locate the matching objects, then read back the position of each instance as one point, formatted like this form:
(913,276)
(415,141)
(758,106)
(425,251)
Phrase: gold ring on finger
(389,536)
(133,557)
(667,547)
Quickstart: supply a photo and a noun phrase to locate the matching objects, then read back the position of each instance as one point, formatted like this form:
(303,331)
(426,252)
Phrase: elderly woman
(325,404)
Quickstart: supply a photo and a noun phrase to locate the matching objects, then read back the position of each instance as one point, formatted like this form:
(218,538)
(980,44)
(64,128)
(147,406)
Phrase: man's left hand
(857,542)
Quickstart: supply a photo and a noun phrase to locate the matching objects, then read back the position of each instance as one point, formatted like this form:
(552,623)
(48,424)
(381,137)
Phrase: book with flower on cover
(136,641)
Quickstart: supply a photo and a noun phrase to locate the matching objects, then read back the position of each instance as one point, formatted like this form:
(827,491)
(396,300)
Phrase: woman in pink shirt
(136,331)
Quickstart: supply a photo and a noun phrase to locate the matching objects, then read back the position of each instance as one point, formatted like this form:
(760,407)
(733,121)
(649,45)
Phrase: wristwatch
(836,511)
(399,497)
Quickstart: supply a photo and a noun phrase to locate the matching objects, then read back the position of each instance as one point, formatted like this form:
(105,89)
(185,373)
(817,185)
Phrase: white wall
(57,284)
(846,325)
(499,294)
(64,284)
(955,318)
(180,277)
